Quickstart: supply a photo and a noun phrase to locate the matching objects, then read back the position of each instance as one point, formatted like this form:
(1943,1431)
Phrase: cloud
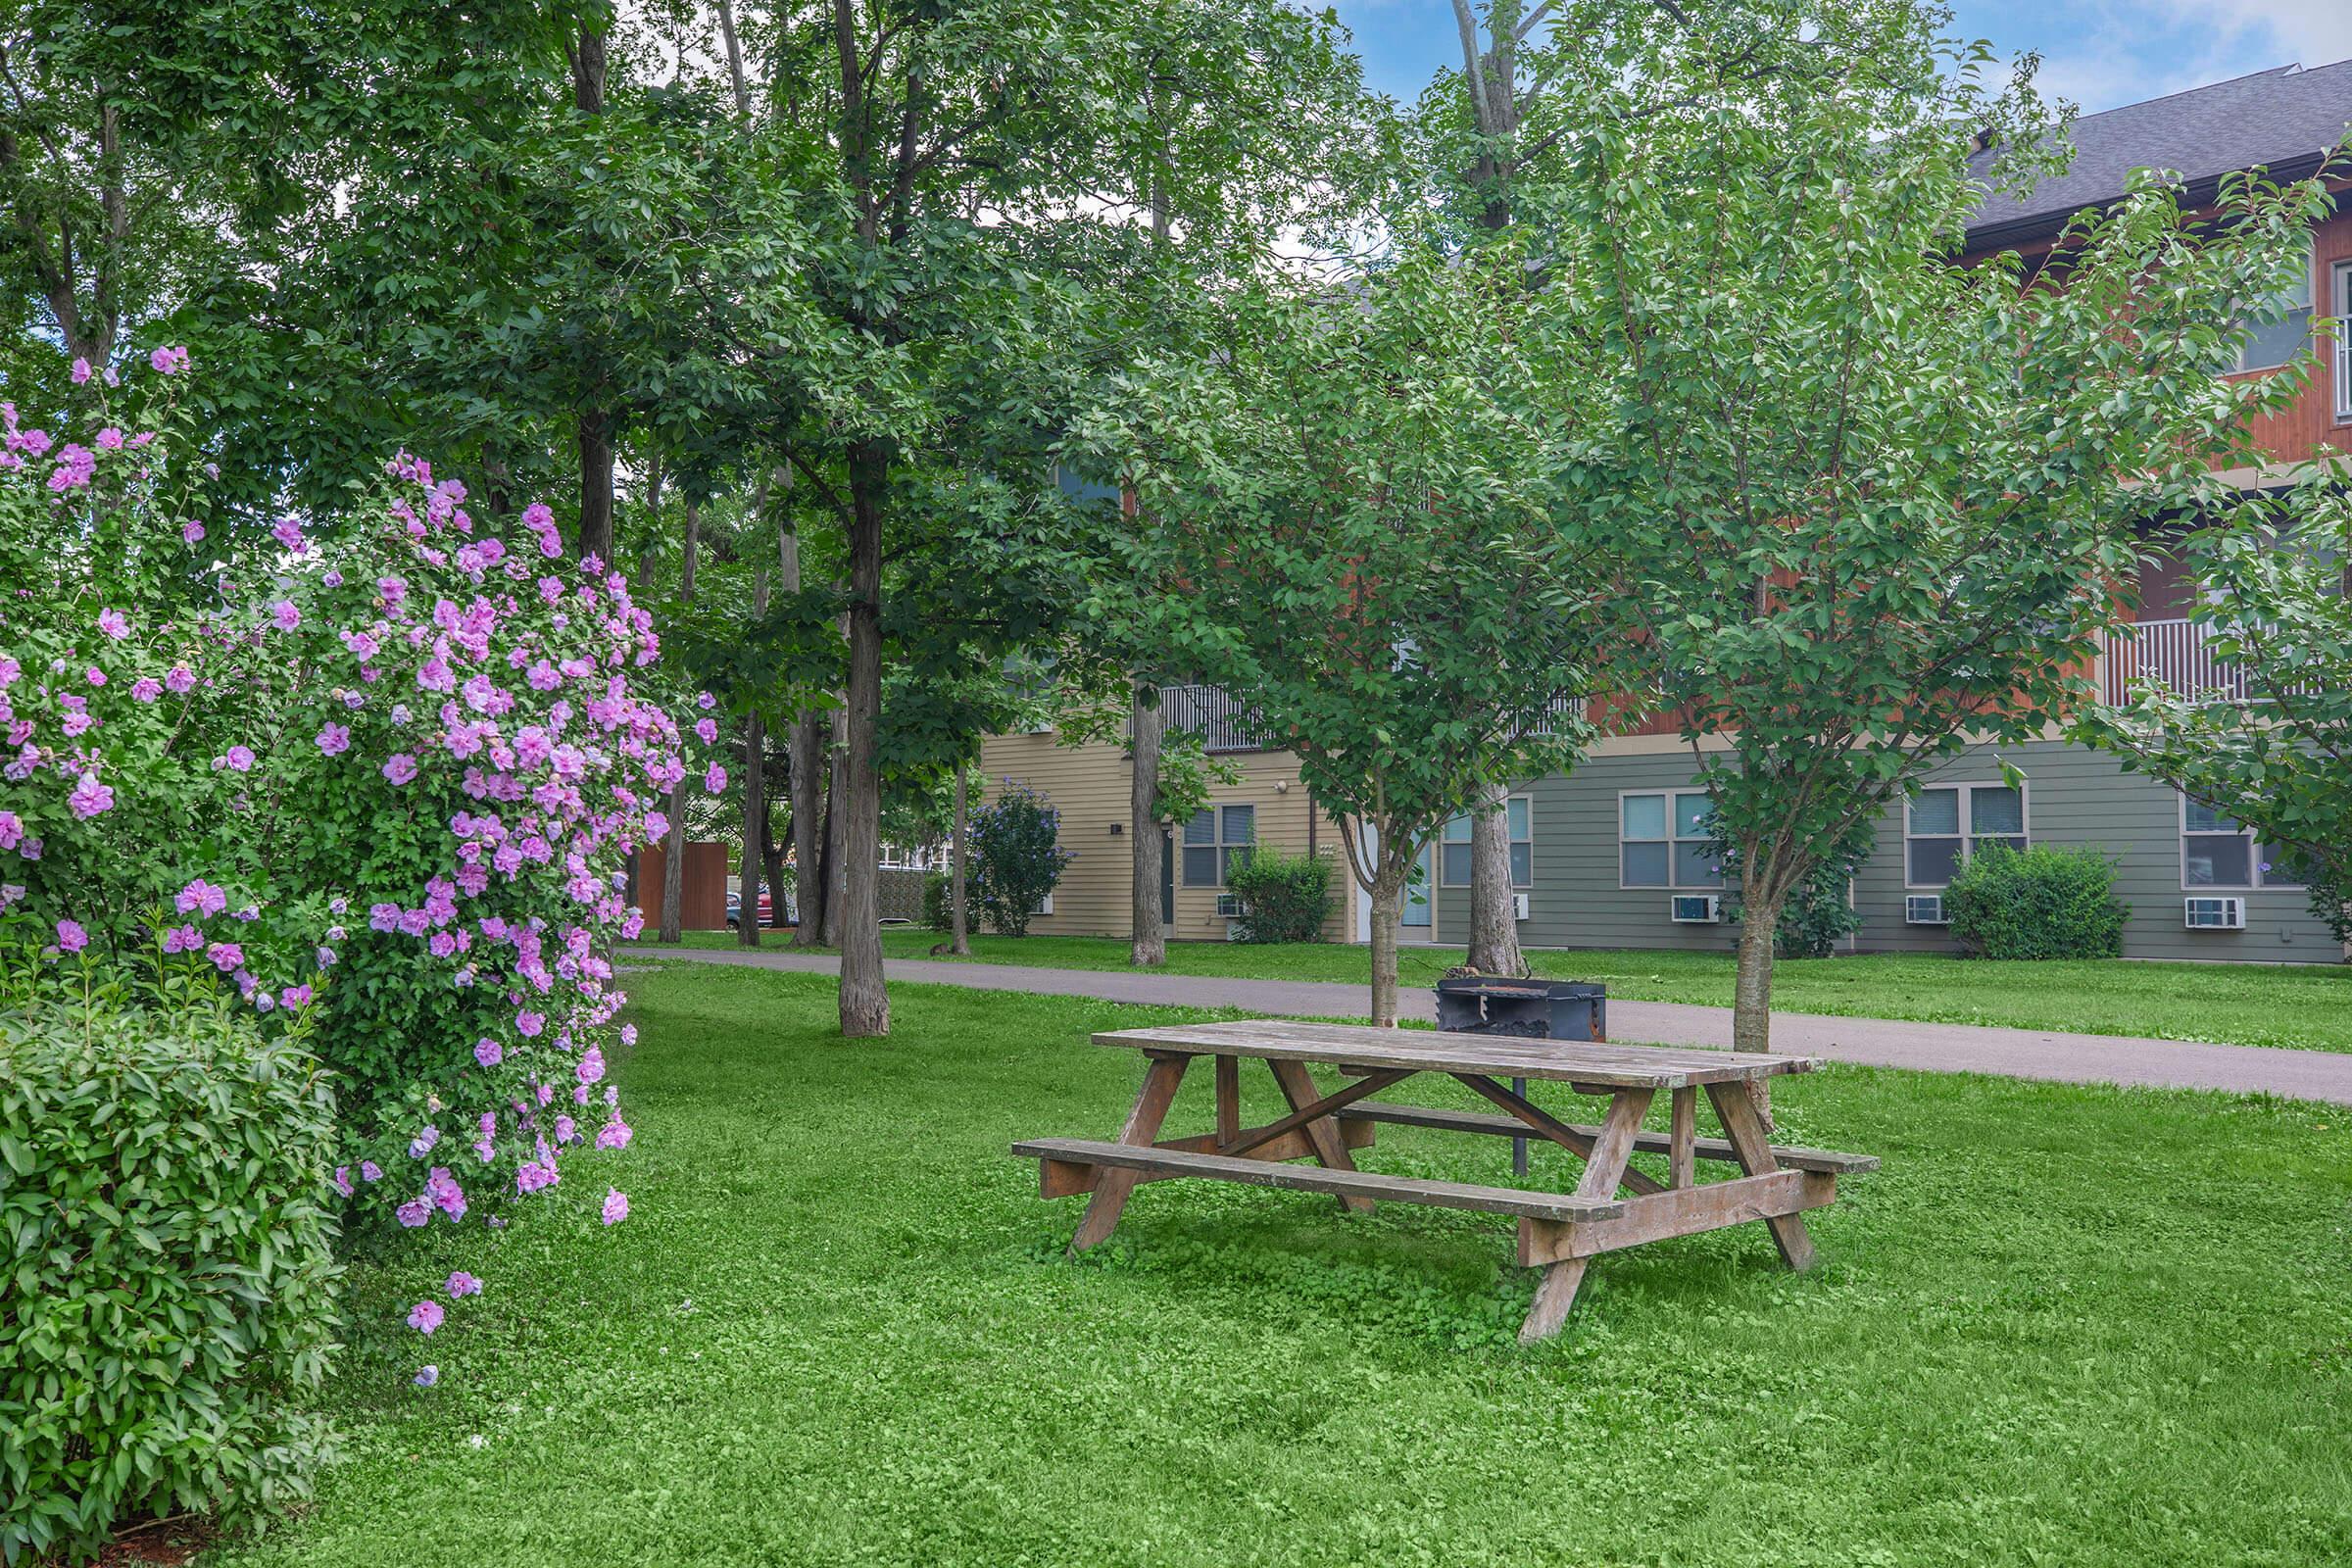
(2316,32)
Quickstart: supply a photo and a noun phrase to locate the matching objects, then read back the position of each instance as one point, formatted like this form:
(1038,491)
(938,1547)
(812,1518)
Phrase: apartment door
(1420,889)
(1167,877)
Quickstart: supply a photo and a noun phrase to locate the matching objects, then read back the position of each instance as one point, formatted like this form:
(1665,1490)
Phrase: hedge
(171,1305)
(2040,903)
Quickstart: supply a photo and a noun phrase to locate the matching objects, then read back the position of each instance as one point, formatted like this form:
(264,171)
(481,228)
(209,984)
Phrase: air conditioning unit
(1229,905)
(1233,930)
(1694,909)
(1045,906)
(2213,913)
(1925,909)
(1518,905)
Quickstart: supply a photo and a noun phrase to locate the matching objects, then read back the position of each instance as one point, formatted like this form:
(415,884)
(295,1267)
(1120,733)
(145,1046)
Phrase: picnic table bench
(1615,1203)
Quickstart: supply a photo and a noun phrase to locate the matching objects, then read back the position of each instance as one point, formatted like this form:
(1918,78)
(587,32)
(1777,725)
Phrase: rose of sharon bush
(387,775)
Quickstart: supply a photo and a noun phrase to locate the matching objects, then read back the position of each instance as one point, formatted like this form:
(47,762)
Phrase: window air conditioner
(1518,905)
(2213,913)
(1692,908)
(1925,909)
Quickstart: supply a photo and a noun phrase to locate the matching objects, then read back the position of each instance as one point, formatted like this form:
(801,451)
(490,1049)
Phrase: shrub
(2040,904)
(171,1305)
(935,903)
(1820,913)
(1016,857)
(388,771)
(1285,898)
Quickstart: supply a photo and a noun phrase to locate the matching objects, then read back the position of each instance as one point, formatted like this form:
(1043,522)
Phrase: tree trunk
(1494,922)
(674,863)
(754,833)
(836,822)
(1387,906)
(959,936)
(755,800)
(771,854)
(865,1004)
(807,766)
(595,486)
(1148,947)
(1751,990)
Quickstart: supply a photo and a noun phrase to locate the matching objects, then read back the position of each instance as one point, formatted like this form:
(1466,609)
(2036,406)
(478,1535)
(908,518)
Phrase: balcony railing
(2178,652)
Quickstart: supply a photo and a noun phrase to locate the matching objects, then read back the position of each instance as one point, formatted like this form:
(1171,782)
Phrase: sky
(2096,53)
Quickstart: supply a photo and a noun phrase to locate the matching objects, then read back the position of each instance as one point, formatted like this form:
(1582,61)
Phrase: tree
(1863,506)
(2274,750)
(1355,496)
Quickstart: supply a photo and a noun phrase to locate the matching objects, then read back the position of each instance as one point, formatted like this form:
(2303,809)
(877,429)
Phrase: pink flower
(90,796)
(12,830)
(704,701)
(489,1053)
(617,1206)
(202,898)
(414,1213)
(113,624)
(426,1377)
(400,769)
(657,825)
(191,530)
(180,679)
(463,1284)
(285,614)
(110,439)
(714,778)
(225,956)
(530,1025)
(170,360)
(706,729)
(240,758)
(425,1316)
(335,739)
(182,939)
(592,1066)
(615,1134)
(82,370)
(146,689)
(71,937)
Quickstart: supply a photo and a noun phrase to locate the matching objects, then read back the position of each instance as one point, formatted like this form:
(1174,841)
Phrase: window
(2341,290)
(2220,851)
(2278,328)
(1214,836)
(1935,845)
(1454,850)
(1666,840)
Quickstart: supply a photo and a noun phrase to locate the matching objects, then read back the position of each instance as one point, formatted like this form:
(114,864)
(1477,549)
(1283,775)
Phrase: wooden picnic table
(1615,1205)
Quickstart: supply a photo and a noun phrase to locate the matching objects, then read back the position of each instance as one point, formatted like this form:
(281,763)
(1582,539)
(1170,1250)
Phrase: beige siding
(1089,786)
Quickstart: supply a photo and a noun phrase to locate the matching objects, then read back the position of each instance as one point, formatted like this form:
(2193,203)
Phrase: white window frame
(2309,308)
(1673,837)
(1446,836)
(2340,280)
(2257,853)
(1964,821)
(1223,845)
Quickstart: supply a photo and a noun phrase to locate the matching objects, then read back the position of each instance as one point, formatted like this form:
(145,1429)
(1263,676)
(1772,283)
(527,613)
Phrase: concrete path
(1877,1042)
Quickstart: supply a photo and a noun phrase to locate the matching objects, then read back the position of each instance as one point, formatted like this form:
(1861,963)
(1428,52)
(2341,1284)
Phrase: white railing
(2178,652)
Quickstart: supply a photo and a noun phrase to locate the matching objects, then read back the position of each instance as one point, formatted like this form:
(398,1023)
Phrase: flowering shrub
(1016,857)
(169,1303)
(386,776)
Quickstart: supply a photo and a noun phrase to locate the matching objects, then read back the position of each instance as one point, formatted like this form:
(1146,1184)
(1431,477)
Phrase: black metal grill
(1529,1010)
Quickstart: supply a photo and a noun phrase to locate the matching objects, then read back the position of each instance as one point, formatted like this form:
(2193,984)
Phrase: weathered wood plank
(1828,1161)
(1229,1099)
(1368,1185)
(1063,1180)
(1349,1044)
(1577,1141)
(1150,1108)
(1745,1129)
(1681,1134)
(1299,1088)
(1604,1170)
(1312,1111)
(1682,1211)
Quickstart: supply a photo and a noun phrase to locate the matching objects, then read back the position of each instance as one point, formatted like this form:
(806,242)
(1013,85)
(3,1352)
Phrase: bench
(1085,1157)
(1826,1161)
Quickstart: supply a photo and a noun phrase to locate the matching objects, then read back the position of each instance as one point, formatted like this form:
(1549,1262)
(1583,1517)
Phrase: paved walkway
(1877,1042)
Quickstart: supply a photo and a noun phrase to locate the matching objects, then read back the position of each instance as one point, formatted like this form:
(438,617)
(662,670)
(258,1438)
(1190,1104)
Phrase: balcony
(2176,652)
(1226,724)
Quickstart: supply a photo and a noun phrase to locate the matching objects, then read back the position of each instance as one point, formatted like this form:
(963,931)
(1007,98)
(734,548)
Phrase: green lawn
(2065,1325)
(2307,1007)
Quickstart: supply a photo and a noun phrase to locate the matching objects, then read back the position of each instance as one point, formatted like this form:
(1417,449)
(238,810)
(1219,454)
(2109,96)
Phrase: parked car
(767,910)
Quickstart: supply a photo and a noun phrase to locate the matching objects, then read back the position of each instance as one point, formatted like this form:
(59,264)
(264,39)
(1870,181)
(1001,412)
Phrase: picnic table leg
(1754,1146)
(1682,1139)
(1331,1149)
(1229,1099)
(1604,1171)
(1113,1186)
